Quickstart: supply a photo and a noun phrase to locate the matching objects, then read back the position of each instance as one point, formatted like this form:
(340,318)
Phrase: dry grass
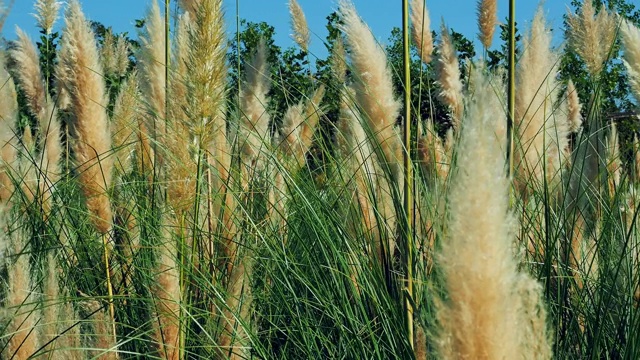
(80,73)
(420,30)
(481,317)
(487,21)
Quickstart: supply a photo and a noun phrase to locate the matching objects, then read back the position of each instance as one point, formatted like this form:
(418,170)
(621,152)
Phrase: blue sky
(380,15)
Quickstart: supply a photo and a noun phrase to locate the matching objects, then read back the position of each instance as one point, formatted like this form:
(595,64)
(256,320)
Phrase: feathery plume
(420,30)
(448,77)
(46,14)
(177,77)
(574,108)
(358,164)
(20,297)
(374,88)
(190,6)
(298,126)
(114,54)
(40,104)
(380,109)
(29,75)
(431,154)
(252,134)
(179,160)
(81,77)
(592,35)
(339,61)
(482,317)
(8,138)
(105,346)
(299,25)
(124,122)
(487,21)
(631,59)
(614,163)
(51,302)
(167,292)
(206,77)
(152,70)
(3,14)
(536,338)
(541,130)
(205,80)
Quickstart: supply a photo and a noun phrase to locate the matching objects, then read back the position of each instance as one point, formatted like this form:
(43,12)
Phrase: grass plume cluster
(184,196)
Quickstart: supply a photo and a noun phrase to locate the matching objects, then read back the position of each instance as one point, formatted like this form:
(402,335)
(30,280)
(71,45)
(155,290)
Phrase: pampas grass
(79,72)
(481,317)
(152,70)
(614,163)
(300,261)
(431,154)
(8,138)
(47,14)
(252,132)
(43,108)
(168,295)
(448,77)
(298,126)
(420,30)
(115,54)
(299,26)
(126,113)
(379,109)
(631,59)
(21,300)
(487,21)
(541,130)
(592,35)
(574,108)
(373,88)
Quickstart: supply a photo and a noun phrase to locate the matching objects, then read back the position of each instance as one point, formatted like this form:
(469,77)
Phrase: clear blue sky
(381,15)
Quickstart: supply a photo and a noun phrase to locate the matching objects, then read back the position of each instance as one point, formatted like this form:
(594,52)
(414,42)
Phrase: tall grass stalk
(407,164)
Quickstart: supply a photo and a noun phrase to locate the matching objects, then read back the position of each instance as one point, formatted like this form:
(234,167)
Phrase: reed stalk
(408,175)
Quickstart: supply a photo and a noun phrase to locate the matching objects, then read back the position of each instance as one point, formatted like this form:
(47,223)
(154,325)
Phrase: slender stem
(408,188)
(512,84)
(112,309)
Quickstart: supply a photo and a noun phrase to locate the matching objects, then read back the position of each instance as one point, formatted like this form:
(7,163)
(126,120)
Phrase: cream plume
(126,111)
(574,108)
(448,77)
(374,89)
(152,70)
(614,162)
(299,24)
(431,154)
(487,21)
(592,35)
(81,75)
(190,6)
(39,103)
(8,136)
(298,125)
(486,312)
(541,129)
(631,41)
(420,29)
(253,128)
(339,61)
(115,54)
(47,13)
(23,340)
